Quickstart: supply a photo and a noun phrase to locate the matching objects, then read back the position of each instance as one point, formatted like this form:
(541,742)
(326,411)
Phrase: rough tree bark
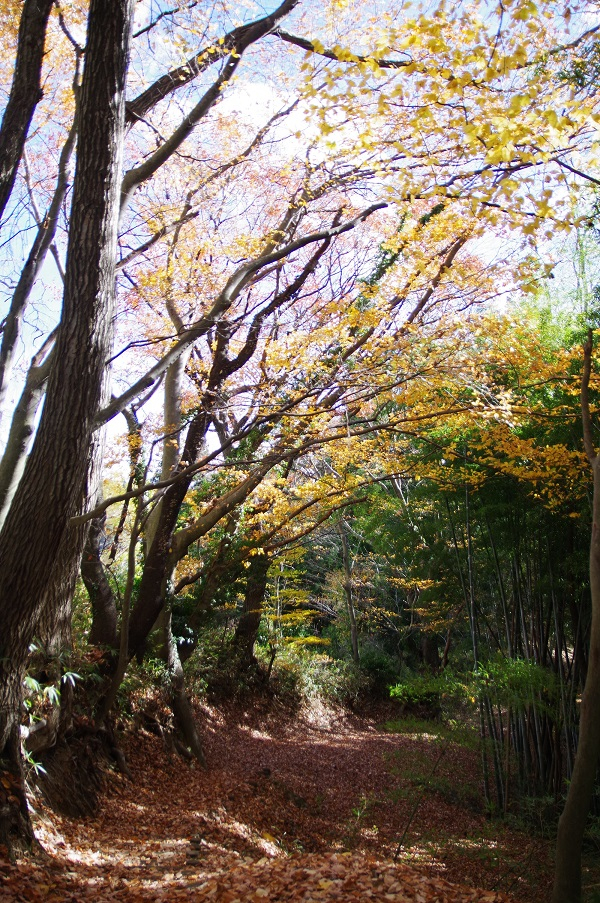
(54,481)
(182,709)
(571,827)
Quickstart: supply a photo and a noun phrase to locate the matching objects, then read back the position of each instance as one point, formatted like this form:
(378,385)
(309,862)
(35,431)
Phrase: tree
(277,317)
(61,451)
(571,827)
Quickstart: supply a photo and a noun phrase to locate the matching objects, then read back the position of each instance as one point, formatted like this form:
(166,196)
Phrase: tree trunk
(22,428)
(185,721)
(247,627)
(54,482)
(430,650)
(16,833)
(150,598)
(571,827)
(104,610)
(172,425)
(349,595)
(183,714)
(25,92)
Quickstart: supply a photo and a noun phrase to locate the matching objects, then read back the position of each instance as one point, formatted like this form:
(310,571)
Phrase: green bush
(213,668)
(317,676)
(506,682)
(517,683)
(380,669)
(429,694)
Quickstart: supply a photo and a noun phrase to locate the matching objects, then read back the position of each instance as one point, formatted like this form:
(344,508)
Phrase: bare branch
(146,170)
(235,43)
(189,213)
(308,45)
(585,398)
(578,172)
(235,284)
(25,92)
(345,56)
(162,15)
(43,241)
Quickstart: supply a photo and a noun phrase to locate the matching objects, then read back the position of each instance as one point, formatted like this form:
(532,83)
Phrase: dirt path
(310,809)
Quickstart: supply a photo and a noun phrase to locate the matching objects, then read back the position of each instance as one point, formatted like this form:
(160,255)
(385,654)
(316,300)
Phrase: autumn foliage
(290,252)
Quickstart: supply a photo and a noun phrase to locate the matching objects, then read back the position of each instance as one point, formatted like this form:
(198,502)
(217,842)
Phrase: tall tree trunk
(54,482)
(172,425)
(25,92)
(22,428)
(173,418)
(16,833)
(571,827)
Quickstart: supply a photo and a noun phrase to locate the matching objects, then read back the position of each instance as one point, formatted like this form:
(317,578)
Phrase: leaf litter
(309,808)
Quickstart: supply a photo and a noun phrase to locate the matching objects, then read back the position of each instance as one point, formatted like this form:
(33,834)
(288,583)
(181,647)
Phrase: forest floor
(310,808)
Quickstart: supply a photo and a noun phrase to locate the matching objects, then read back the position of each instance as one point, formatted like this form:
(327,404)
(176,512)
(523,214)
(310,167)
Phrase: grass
(425,729)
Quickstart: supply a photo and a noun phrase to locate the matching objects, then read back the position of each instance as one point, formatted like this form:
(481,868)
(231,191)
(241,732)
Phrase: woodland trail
(306,809)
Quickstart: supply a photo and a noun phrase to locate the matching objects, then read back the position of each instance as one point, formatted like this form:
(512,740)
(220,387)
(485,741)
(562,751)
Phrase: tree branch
(235,284)
(189,214)
(235,43)
(585,401)
(339,55)
(25,92)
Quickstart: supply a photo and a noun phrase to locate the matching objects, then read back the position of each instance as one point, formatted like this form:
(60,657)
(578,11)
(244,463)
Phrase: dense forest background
(298,381)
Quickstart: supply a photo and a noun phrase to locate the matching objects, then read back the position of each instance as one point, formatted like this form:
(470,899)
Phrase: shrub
(380,669)
(506,682)
(317,676)
(428,694)
(517,683)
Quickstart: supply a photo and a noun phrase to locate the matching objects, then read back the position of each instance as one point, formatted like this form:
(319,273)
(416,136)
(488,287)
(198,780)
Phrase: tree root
(74,770)
(73,779)
(174,738)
